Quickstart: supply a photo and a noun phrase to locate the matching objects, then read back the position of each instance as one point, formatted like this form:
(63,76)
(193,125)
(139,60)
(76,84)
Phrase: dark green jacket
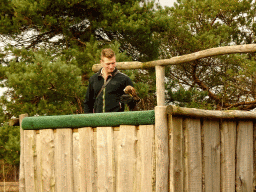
(113,92)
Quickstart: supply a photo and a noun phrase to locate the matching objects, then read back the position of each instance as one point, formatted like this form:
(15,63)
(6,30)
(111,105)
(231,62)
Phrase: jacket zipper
(103,97)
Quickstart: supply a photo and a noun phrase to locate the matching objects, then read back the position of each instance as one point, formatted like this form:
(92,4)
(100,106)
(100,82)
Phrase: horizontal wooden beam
(212,114)
(184,58)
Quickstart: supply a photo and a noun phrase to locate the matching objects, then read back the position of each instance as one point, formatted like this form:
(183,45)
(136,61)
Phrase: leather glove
(132,92)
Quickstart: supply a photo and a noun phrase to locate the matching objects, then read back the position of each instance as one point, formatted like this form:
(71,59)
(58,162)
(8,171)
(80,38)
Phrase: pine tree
(132,23)
(50,69)
(9,144)
(225,82)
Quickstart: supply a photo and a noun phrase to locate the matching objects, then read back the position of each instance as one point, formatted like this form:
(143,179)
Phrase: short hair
(109,53)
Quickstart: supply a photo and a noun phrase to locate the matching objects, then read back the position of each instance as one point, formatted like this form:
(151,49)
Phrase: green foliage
(200,25)
(43,84)
(56,72)
(132,23)
(208,24)
(2,116)
(192,98)
(46,82)
(49,76)
(10,144)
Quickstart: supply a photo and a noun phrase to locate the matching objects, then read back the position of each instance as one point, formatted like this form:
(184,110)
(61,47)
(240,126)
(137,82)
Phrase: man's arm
(129,89)
(89,100)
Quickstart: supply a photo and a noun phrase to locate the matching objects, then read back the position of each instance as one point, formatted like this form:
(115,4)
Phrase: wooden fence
(89,159)
(207,151)
(212,150)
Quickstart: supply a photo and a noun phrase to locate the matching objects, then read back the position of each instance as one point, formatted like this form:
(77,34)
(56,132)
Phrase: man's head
(108,60)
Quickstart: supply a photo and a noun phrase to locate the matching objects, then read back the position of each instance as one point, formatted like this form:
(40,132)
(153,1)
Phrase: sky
(168,3)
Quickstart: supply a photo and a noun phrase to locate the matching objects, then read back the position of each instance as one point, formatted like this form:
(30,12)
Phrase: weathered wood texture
(210,114)
(176,154)
(254,154)
(90,159)
(228,155)
(22,169)
(192,154)
(160,85)
(184,58)
(211,154)
(29,157)
(162,149)
(244,165)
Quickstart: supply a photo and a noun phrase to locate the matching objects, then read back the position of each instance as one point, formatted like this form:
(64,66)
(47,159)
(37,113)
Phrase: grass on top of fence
(90,120)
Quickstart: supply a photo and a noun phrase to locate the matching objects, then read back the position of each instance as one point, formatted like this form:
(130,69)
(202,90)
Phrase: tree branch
(242,103)
(204,87)
(39,38)
(184,58)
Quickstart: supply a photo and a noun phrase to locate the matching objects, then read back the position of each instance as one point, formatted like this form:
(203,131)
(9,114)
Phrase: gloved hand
(131,91)
(126,99)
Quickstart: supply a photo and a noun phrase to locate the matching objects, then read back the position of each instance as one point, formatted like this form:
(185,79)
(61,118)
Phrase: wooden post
(22,173)
(162,150)
(161,133)
(160,86)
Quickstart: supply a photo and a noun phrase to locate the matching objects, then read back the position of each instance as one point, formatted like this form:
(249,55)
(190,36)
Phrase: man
(100,99)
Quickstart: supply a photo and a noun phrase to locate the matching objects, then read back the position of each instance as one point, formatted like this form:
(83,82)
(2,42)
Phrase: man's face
(108,64)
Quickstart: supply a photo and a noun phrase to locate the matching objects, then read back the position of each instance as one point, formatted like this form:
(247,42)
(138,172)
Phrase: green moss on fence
(90,120)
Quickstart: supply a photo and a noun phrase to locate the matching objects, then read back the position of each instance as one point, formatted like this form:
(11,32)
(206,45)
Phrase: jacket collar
(112,74)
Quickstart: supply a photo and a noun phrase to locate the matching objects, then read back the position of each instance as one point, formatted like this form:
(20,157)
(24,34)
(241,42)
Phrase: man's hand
(131,91)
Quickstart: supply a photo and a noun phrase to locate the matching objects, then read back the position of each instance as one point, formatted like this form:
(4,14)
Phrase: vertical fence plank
(29,155)
(176,154)
(126,159)
(105,158)
(76,161)
(47,159)
(139,160)
(244,172)
(63,151)
(194,155)
(117,143)
(22,170)
(39,165)
(144,158)
(86,158)
(95,158)
(254,154)
(228,150)
(211,155)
